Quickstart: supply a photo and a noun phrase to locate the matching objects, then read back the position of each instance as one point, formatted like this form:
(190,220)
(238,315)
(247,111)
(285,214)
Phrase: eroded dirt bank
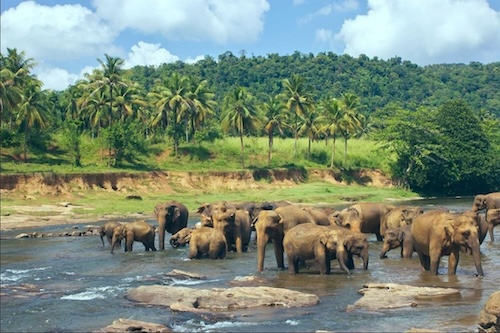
(60,184)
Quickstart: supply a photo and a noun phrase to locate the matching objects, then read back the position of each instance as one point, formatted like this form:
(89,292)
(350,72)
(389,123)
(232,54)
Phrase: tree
(239,112)
(32,112)
(309,125)
(349,122)
(274,119)
(299,102)
(331,114)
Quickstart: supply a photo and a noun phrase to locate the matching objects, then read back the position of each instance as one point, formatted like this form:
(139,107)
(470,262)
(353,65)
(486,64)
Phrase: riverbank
(50,199)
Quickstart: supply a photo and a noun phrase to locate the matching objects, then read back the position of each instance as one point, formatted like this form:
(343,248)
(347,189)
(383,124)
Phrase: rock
(489,317)
(219,299)
(133,197)
(23,235)
(64,204)
(377,296)
(128,325)
(184,274)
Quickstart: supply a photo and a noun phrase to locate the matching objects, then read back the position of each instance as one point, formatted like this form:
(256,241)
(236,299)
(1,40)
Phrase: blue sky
(65,37)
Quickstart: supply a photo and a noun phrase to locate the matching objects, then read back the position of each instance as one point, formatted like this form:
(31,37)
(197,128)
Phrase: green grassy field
(221,155)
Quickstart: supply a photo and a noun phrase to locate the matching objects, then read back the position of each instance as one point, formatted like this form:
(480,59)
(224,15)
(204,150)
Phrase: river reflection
(74,284)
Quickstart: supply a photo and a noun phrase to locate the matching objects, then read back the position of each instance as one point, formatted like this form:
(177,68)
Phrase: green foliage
(72,141)
(440,152)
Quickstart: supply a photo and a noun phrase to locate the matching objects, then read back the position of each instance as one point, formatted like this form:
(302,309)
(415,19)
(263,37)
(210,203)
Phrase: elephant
(273,224)
(486,201)
(481,222)
(235,224)
(139,231)
(172,216)
(204,241)
(320,218)
(492,219)
(107,230)
(306,241)
(398,217)
(364,217)
(436,234)
(398,237)
(206,211)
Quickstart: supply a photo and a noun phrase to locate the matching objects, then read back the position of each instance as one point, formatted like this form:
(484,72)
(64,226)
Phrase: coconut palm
(274,119)
(239,112)
(33,111)
(350,118)
(299,101)
(309,124)
(332,115)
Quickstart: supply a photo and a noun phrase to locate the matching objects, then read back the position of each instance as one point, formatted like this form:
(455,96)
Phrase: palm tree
(350,119)
(274,119)
(309,125)
(32,112)
(332,115)
(239,112)
(299,102)
(177,100)
(129,101)
(11,95)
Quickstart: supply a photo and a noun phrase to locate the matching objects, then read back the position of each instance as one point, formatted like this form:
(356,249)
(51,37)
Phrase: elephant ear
(449,229)
(157,209)
(349,242)
(401,235)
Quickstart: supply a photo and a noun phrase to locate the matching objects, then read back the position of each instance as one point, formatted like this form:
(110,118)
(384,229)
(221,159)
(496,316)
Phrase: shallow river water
(78,286)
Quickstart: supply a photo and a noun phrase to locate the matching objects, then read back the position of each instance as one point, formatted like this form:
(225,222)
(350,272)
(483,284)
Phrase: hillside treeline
(441,121)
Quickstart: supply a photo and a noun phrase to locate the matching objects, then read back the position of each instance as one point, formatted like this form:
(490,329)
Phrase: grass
(221,155)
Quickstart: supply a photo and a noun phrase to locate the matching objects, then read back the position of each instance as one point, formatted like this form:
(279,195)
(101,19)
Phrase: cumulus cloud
(194,60)
(146,54)
(59,32)
(425,31)
(54,78)
(220,21)
(346,5)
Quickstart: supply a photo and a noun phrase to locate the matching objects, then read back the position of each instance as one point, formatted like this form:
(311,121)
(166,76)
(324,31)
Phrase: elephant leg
(379,237)
(434,259)
(293,265)
(424,261)
(490,230)
(350,261)
(239,244)
(278,251)
(453,262)
(128,245)
(110,239)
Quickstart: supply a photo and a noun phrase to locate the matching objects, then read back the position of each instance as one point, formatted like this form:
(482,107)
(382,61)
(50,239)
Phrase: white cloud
(220,21)
(59,32)
(346,5)
(54,78)
(194,60)
(323,11)
(425,31)
(146,54)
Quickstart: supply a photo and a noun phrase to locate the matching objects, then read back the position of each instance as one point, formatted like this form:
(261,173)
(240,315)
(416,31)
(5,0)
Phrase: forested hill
(377,82)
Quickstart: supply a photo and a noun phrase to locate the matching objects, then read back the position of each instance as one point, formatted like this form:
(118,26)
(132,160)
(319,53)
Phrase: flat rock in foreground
(378,296)
(489,318)
(219,299)
(128,325)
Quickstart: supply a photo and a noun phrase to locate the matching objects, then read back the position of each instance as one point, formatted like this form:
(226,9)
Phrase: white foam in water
(292,322)
(193,326)
(14,275)
(94,293)
(176,282)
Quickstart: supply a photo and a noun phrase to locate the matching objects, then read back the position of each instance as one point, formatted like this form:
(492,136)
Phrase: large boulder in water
(489,318)
(378,296)
(128,325)
(219,299)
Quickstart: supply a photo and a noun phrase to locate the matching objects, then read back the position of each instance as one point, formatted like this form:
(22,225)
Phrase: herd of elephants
(306,233)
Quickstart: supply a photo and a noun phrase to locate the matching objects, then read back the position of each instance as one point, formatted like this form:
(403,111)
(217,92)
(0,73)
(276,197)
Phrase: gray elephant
(107,231)
(398,237)
(309,241)
(235,224)
(171,216)
(364,217)
(486,202)
(399,216)
(436,234)
(202,241)
(320,217)
(492,219)
(139,231)
(273,225)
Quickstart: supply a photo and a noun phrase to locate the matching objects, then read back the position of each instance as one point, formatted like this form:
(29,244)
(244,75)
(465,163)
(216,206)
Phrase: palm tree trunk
(110,122)
(269,152)
(242,151)
(309,148)
(25,148)
(333,153)
(345,150)
(296,138)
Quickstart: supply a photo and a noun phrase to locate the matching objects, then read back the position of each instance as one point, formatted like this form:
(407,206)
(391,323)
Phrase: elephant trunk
(161,232)
(476,255)
(342,258)
(385,249)
(174,243)
(113,243)
(364,256)
(262,239)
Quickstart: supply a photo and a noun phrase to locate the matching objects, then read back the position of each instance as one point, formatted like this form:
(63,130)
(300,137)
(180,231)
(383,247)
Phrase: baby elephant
(493,219)
(398,237)
(139,231)
(107,230)
(202,242)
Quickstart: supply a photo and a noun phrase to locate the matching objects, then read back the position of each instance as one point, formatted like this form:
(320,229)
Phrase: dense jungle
(433,129)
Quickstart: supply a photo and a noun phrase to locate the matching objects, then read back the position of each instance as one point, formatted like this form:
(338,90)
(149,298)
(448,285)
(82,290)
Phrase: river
(73,284)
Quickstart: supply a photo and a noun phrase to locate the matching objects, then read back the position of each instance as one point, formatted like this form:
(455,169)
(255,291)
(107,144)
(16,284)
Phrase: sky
(66,37)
